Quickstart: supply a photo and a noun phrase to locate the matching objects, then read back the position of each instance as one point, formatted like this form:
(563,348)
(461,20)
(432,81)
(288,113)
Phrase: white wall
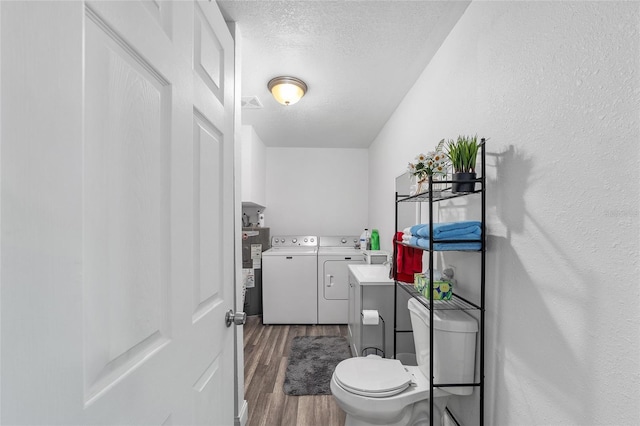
(556,88)
(317,191)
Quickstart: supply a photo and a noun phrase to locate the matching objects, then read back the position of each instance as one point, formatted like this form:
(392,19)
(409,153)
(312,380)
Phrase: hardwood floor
(266,349)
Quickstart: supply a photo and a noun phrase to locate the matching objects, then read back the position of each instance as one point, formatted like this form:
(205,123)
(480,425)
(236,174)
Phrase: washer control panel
(340,241)
(294,241)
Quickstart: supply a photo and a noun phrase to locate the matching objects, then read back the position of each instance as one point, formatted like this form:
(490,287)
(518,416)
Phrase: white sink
(371,274)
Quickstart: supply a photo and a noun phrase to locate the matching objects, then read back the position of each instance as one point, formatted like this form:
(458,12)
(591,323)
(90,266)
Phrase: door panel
(207,167)
(208,396)
(126,208)
(208,55)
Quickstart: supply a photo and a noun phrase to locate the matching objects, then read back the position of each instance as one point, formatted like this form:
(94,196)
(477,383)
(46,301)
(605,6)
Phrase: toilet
(379,391)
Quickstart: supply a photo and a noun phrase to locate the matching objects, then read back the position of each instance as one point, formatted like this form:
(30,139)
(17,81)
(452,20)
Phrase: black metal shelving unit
(457,302)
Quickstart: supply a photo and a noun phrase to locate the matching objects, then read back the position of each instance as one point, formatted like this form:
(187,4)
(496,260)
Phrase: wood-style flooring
(266,350)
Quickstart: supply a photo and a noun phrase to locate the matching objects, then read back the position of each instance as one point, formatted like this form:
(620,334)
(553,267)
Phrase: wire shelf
(455,303)
(439,190)
(445,194)
(400,243)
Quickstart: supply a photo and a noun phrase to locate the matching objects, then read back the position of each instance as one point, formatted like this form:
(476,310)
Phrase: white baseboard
(243,416)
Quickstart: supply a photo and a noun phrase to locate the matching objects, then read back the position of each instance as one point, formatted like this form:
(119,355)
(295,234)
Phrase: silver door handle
(237,318)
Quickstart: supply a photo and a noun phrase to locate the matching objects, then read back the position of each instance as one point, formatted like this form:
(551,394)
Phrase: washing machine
(290,280)
(334,255)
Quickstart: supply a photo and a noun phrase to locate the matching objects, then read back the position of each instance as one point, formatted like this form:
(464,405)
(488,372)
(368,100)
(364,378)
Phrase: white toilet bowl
(390,404)
(378,391)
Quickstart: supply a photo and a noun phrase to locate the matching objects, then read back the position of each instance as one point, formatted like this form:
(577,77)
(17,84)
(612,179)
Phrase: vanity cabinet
(370,288)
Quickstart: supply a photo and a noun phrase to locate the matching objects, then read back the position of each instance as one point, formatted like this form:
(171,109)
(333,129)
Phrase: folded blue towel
(456,246)
(465,230)
(424,243)
(416,228)
(470,236)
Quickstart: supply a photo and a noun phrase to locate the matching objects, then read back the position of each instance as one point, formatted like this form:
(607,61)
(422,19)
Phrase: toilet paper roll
(370,317)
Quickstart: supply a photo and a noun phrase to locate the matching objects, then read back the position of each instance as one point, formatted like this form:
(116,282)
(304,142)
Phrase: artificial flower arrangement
(434,163)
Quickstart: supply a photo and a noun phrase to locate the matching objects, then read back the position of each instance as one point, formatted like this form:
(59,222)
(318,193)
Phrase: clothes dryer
(334,255)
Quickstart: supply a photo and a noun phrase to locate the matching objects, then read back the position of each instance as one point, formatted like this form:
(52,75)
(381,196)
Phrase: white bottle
(364,239)
(260,219)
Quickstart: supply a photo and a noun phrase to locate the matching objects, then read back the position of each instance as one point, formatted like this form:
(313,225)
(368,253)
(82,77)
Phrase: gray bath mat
(311,363)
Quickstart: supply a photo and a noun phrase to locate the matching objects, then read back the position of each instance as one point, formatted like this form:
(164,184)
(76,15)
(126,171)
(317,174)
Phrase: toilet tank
(454,341)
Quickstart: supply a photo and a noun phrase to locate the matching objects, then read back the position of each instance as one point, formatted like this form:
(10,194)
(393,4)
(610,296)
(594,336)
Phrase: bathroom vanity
(370,288)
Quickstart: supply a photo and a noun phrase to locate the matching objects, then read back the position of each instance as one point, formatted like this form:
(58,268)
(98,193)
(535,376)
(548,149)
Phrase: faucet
(387,263)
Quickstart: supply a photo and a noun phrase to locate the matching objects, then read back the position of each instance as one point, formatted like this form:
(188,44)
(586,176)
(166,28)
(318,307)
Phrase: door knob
(237,318)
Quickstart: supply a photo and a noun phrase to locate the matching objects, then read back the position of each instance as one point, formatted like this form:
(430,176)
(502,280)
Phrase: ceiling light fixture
(287,90)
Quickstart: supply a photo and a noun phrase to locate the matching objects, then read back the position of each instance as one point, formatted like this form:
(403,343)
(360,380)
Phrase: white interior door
(116,174)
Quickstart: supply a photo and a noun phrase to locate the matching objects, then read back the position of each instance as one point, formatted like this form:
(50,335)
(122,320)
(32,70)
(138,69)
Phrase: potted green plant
(462,155)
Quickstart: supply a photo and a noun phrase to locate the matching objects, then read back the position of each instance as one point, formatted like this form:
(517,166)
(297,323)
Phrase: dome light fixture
(287,90)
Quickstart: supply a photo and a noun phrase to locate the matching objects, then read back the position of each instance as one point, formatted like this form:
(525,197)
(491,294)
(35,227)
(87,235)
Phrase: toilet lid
(372,376)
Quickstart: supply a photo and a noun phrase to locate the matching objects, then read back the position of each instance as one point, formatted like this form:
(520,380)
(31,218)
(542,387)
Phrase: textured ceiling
(359,59)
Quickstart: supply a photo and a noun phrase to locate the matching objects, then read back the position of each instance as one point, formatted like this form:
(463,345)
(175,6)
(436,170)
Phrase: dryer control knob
(295,240)
(312,240)
(344,240)
(306,239)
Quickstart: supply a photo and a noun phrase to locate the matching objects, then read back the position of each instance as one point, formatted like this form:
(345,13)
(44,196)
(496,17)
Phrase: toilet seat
(373,377)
